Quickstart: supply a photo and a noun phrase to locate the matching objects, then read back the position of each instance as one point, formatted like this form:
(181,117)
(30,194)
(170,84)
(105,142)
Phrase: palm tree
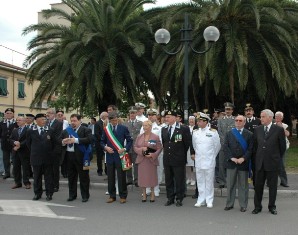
(98,58)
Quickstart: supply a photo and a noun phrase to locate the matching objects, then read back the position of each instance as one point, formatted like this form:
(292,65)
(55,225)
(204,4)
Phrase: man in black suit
(176,139)
(237,149)
(21,155)
(269,147)
(6,128)
(77,140)
(98,130)
(57,126)
(41,141)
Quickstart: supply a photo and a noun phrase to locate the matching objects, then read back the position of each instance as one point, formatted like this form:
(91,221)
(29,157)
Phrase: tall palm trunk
(231,79)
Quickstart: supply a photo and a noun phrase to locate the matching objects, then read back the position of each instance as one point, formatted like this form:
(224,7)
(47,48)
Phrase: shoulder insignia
(212,129)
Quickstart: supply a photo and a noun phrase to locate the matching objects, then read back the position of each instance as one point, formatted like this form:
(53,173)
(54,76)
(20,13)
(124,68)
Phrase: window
(21,90)
(3,87)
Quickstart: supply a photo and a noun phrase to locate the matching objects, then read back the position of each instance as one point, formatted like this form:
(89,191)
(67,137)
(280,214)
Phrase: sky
(15,15)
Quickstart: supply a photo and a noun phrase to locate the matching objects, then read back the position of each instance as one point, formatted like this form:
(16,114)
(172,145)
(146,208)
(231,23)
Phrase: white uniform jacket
(206,144)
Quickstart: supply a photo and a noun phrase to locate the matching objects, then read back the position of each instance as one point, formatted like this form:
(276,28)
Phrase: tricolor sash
(85,150)
(124,157)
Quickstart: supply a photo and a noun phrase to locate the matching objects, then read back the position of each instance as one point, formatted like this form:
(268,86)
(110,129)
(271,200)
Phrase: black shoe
(152,200)
(227,208)
(284,185)
(49,197)
(99,173)
(273,211)
(85,200)
(194,196)
(242,209)
(178,203)
(6,176)
(71,199)
(56,189)
(256,211)
(136,184)
(221,186)
(129,183)
(169,202)
(36,197)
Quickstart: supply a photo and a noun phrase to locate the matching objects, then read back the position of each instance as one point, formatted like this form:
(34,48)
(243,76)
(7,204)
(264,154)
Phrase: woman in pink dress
(147,146)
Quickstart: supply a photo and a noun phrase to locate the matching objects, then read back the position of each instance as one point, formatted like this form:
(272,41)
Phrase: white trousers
(205,183)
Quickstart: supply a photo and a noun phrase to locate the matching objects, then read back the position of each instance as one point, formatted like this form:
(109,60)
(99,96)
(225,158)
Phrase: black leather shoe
(256,211)
(49,197)
(36,197)
(194,196)
(85,200)
(169,202)
(284,185)
(221,186)
(70,199)
(6,176)
(242,209)
(178,203)
(227,208)
(273,211)
(56,189)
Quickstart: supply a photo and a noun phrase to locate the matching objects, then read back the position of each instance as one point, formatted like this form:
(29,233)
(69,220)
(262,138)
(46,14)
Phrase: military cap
(169,112)
(248,107)
(152,111)
(113,115)
(132,109)
(30,115)
(59,111)
(229,105)
(40,115)
(140,105)
(205,110)
(9,110)
(203,116)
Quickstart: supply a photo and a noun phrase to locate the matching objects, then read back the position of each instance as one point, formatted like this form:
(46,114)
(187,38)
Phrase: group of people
(225,149)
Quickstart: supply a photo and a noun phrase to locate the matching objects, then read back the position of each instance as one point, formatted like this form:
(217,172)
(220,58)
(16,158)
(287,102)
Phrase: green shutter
(3,87)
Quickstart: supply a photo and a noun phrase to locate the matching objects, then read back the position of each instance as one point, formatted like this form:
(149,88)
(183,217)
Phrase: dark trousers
(6,161)
(56,172)
(21,169)
(133,171)
(282,171)
(175,182)
(75,170)
(63,162)
(47,171)
(99,156)
(121,176)
(261,177)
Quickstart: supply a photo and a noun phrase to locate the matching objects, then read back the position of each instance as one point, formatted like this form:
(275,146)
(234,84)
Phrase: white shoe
(209,206)
(107,193)
(156,194)
(188,181)
(200,204)
(192,182)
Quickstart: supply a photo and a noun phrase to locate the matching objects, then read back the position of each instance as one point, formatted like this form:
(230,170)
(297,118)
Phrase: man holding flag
(112,141)
(77,139)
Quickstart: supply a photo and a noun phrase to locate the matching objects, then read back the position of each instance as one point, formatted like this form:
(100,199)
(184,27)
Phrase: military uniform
(252,123)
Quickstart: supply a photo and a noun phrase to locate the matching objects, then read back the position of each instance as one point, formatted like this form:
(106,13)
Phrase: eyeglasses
(237,120)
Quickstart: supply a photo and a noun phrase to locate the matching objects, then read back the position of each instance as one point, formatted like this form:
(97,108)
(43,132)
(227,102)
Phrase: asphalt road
(19,215)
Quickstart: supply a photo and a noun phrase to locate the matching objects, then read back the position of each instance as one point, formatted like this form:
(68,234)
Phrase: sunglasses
(237,120)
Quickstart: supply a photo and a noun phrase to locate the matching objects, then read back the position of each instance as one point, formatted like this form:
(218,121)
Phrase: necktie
(8,124)
(169,132)
(132,122)
(114,130)
(20,131)
(41,131)
(239,131)
(266,131)
(249,120)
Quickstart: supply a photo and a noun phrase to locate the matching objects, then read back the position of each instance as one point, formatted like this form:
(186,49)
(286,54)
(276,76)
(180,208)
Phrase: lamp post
(162,36)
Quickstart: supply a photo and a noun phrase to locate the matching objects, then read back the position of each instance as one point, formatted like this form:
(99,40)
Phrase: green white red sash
(124,157)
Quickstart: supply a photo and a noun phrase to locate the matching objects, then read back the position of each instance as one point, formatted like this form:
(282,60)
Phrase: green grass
(292,156)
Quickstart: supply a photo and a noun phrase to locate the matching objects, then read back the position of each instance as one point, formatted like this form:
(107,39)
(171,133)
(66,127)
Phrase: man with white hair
(282,171)
(269,147)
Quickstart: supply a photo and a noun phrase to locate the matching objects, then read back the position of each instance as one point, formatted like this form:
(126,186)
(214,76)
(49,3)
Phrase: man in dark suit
(134,127)
(98,130)
(76,139)
(251,121)
(6,128)
(269,147)
(113,160)
(21,155)
(237,149)
(41,141)
(57,126)
(176,139)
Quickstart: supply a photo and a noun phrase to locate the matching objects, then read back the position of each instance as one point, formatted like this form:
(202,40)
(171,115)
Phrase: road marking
(32,208)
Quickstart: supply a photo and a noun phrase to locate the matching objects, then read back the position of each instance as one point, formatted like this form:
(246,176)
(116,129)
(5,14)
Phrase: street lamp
(162,36)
